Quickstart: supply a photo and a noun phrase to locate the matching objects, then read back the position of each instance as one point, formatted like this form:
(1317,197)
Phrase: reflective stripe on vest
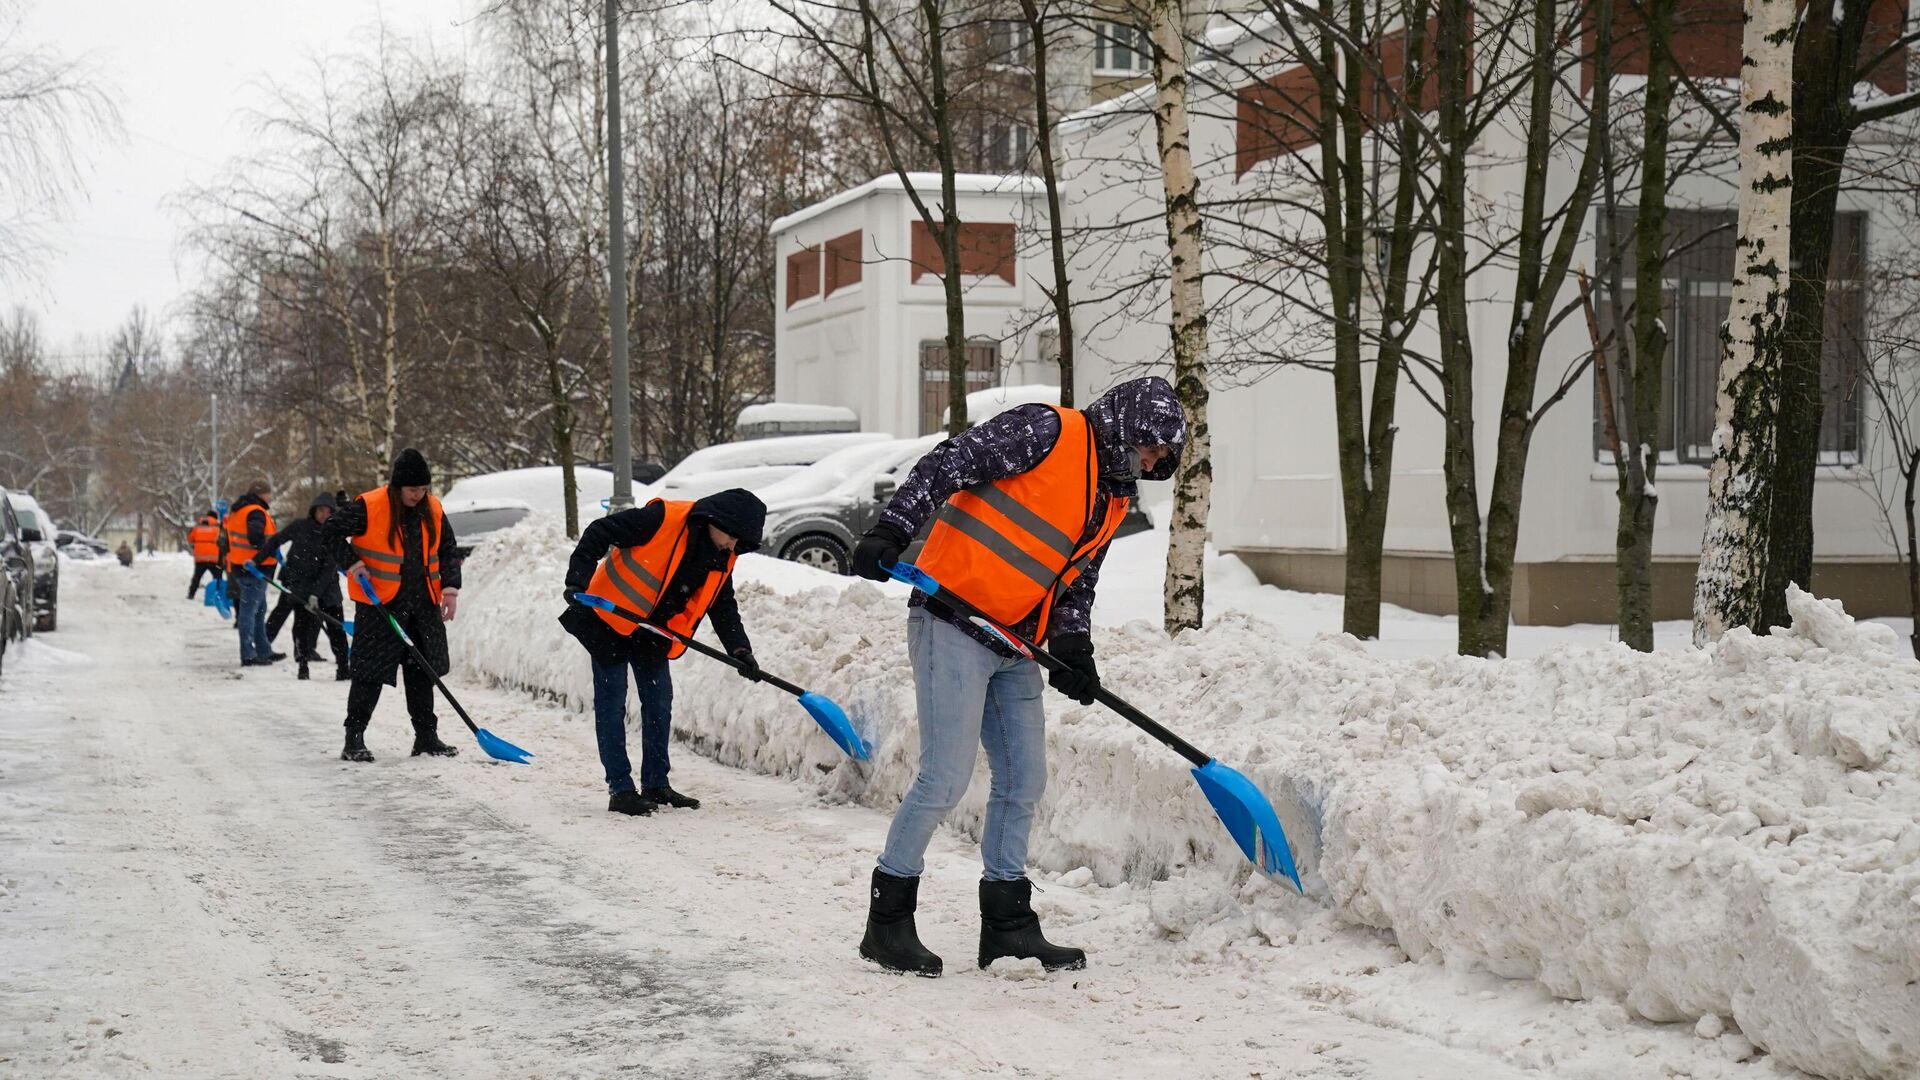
(635,576)
(384,553)
(1010,546)
(239,549)
(205,538)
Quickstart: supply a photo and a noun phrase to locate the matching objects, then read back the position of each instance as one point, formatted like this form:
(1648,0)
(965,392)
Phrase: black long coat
(306,561)
(377,651)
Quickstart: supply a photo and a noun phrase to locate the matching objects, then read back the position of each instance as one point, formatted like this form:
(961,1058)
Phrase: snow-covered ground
(1567,844)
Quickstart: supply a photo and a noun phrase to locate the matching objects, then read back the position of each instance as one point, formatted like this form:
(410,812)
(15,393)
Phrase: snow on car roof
(786,450)
(539,487)
(845,471)
(985,404)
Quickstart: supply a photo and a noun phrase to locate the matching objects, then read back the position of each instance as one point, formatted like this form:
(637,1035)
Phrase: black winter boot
(891,941)
(1008,927)
(356,748)
(343,673)
(666,796)
(303,671)
(631,803)
(426,740)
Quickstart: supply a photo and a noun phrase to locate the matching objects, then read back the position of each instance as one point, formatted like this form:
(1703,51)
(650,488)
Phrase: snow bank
(1731,834)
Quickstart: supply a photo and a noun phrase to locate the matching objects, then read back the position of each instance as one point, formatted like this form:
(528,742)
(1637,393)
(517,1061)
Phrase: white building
(1277,494)
(861,316)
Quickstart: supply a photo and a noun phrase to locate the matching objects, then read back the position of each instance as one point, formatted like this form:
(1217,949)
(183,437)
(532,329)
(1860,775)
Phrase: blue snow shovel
(216,598)
(828,714)
(495,746)
(1246,813)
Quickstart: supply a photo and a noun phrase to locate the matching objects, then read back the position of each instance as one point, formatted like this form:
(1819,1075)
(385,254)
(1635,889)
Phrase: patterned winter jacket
(1141,412)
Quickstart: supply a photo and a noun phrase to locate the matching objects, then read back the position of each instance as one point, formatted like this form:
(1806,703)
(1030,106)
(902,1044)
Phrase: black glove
(571,590)
(877,550)
(1081,677)
(313,603)
(749,667)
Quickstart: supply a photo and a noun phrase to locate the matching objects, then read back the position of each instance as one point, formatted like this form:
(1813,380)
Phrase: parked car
(815,516)
(78,545)
(753,464)
(16,579)
(473,519)
(38,531)
(541,488)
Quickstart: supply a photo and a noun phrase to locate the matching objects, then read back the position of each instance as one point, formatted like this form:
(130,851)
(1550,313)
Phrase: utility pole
(617,277)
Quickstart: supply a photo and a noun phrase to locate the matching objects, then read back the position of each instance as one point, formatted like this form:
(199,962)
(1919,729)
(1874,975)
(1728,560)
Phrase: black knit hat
(410,469)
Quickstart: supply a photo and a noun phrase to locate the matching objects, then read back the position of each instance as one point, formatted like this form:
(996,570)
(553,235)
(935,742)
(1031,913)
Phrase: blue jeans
(970,697)
(250,614)
(655,685)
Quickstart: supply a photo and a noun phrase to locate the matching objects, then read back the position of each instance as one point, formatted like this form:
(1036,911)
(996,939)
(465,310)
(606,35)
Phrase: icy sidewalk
(1727,839)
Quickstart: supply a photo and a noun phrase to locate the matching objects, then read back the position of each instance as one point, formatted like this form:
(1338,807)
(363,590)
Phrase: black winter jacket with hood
(737,512)
(307,566)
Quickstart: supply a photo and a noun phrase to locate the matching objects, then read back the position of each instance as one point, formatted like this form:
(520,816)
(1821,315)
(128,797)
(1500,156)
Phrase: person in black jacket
(312,586)
(378,653)
(717,526)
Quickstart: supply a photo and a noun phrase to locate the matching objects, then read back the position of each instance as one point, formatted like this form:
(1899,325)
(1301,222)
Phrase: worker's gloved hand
(571,589)
(749,667)
(877,550)
(1081,677)
(313,603)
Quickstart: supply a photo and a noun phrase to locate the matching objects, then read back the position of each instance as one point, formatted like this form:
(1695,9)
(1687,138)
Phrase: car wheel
(821,553)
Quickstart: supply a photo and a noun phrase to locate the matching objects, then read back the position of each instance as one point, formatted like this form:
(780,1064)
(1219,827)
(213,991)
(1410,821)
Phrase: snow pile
(1729,838)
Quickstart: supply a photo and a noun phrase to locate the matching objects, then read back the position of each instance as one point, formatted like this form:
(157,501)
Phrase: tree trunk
(1056,229)
(389,351)
(1911,471)
(1640,456)
(1185,594)
(1732,579)
(563,439)
(949,219)
(1825,55)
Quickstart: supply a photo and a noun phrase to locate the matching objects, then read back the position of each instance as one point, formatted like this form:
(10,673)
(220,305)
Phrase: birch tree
(1185,593)
(1731,586)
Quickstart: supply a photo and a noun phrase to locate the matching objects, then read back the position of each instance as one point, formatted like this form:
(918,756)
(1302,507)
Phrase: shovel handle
(601,603)
(926,583)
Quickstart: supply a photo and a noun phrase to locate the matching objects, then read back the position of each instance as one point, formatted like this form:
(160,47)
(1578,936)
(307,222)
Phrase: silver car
(37,529)
(816,515)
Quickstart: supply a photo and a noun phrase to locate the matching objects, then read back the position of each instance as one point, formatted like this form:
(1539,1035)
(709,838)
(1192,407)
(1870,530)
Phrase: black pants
(200,568)
(364,694)
(307,627)
(287,606)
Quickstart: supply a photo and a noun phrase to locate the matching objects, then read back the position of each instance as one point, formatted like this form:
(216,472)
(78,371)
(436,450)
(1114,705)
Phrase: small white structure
(775,418)
(861,310)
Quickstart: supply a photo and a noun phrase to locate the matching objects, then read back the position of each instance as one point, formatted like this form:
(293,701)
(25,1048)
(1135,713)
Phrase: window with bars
(1121,49)
(1010,43)
(1694,302)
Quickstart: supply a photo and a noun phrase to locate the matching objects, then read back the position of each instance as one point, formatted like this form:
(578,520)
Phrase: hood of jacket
(738,512)
(1139,412)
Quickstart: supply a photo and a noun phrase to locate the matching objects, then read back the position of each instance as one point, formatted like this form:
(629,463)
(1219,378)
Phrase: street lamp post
(617,277)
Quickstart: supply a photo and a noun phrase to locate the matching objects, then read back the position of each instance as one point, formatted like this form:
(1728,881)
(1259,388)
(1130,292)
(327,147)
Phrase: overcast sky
(184,72)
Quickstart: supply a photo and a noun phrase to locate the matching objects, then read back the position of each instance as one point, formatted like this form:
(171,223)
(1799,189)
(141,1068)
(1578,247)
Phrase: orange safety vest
(239,550)
(634,577)
(205,538)
(381,550)
(1010,546)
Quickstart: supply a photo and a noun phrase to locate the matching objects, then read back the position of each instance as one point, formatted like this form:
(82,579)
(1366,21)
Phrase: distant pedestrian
(396,542)
(312,586)
(249,523)
(671,562)
(204,541)
(125,554)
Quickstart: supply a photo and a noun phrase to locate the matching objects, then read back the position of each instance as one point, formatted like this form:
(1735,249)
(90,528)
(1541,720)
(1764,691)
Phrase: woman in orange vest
(395,541)
(673,563)
(1022,508)
(204,541)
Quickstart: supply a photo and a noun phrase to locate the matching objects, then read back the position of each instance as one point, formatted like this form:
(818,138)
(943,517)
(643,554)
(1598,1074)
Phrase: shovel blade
(833,719)
(499,748)
(1250,819)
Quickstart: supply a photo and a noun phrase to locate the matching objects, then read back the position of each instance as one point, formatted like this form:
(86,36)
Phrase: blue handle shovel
(1250,819)
(828,714)
(494,746)
(216,598)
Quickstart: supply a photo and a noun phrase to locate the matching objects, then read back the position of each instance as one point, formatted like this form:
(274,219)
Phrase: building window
(803,275)
(983,373)
(1120,49)
(1010,44)
(1008,146)
(1694,304)
(843,262)
(986,250)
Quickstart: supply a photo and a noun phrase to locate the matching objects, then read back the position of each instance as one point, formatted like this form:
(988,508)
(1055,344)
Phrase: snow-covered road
(192,885)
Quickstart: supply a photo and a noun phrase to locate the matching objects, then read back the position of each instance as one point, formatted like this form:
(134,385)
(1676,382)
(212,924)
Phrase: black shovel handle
(925,582)
(611,608)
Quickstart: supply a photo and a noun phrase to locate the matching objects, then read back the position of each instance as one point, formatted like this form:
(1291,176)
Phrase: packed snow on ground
(1728,839)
